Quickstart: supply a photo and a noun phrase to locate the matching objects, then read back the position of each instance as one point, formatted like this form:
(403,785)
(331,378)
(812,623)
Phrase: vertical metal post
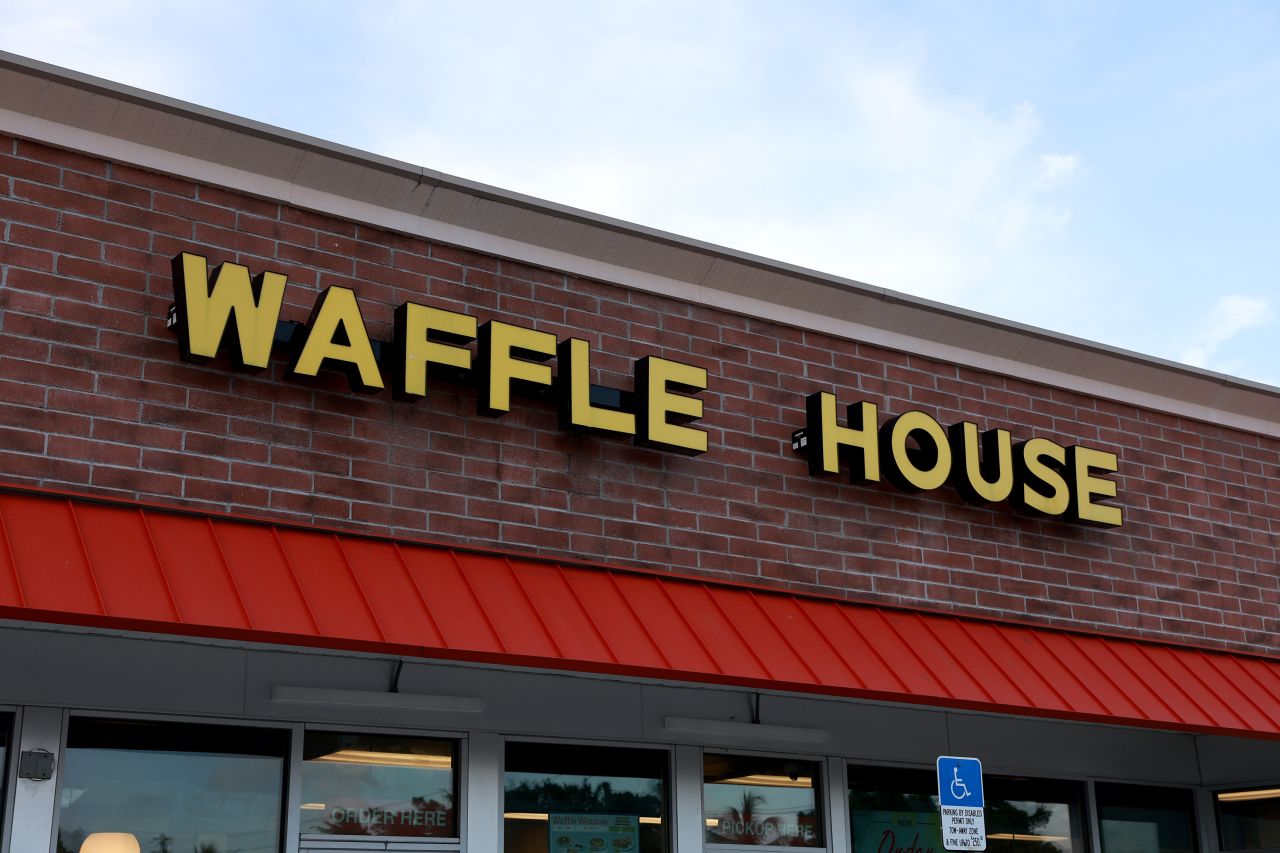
(1095,820)
(11,778)
(837,809)
(483,800)
(35,803)
(1206,821)
(690,830)
(293,793)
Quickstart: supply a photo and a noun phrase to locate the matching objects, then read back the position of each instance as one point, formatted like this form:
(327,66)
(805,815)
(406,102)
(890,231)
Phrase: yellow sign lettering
(1088,490)
(983,472)
(576,409)
(859,442)
(662,409)
(336,333)
(923,467)
(1041,486)
(426,340)
(205,310)
(510,355)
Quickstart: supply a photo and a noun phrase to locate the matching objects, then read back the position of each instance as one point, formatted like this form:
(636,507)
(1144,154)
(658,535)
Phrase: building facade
(347,506)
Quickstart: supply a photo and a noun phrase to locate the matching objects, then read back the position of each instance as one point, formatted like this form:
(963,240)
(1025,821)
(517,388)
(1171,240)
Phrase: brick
(109,190)
(58,199)
(60,157)
(310,505)
(94,452)
(42,470)
(235,242)
(45,329)
(231,496)
(55,241)
(35,372)
(30,170)
(13,210)
(196,211)
(150,220)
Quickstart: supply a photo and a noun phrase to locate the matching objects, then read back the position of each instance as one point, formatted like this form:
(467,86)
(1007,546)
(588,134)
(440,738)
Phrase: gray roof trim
(80,112)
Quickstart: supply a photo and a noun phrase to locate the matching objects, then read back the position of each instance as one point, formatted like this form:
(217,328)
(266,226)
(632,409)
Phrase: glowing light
(1260,794)
(543,816)
(111,842)
(768,781)
(388,759)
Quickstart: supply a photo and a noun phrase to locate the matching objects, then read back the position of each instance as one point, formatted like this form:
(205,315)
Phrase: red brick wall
(93,397)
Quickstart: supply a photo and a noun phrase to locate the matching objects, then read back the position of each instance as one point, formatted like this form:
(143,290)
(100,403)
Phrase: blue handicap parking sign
(960,782)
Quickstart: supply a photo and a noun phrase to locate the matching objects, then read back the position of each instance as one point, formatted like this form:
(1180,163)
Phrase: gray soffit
(72,110)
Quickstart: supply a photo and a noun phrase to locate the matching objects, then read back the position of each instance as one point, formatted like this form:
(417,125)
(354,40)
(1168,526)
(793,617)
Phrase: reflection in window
(1140,819)
(892,809)
(1249,820)
(358,784)
(173,786)
(764,801)
(562,798)
(1034,815)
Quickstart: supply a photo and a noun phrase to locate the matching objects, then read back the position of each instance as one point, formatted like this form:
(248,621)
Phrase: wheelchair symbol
(959,790)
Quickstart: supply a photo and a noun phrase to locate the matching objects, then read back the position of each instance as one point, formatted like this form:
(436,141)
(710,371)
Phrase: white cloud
(1054,168)
(1231,315)
(707,121)
(815,139)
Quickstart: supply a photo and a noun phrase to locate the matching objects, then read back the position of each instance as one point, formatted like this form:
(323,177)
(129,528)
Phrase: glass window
(893,809)
(764,801)
(173,786)
(1142,819)
(1034,815)
(563,798)
(1249,820)
(361,784)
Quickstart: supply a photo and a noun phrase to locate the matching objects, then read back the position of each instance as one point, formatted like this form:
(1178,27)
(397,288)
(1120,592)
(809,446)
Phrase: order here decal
(234,313)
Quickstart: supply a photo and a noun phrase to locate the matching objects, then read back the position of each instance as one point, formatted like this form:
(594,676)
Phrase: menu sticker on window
(593,833)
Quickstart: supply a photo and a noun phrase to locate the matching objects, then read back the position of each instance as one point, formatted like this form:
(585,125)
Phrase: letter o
(935,453)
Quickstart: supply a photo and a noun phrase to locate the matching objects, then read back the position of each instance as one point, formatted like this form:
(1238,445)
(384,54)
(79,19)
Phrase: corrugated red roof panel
(91,562)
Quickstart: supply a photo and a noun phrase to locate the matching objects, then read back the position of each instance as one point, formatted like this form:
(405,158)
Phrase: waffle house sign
(227,310)
(231,312)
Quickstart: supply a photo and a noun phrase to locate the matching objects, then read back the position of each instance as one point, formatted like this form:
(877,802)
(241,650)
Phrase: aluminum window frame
(1211,804)
(317,841)
(670,795)
(1091,834)
(69,714)
(821,799)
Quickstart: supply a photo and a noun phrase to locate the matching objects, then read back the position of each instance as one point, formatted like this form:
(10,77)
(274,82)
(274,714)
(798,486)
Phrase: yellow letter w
(205,309)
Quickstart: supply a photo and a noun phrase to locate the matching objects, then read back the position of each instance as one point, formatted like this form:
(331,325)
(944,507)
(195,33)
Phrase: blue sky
(1107,170)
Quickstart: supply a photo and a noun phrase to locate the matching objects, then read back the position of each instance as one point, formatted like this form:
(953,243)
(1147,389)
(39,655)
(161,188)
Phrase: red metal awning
(83,561)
